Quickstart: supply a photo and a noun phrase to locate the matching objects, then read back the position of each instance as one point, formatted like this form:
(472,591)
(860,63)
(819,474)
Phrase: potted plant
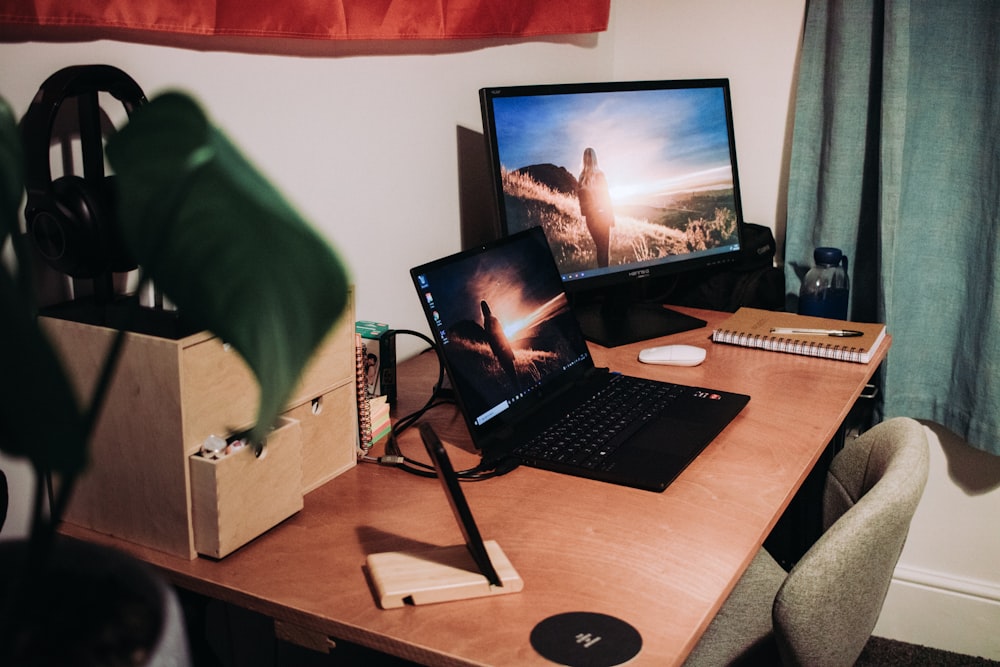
(201,222)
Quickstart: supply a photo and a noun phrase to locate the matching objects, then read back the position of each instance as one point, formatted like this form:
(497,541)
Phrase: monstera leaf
(39,418)
(224,245)
(11,170)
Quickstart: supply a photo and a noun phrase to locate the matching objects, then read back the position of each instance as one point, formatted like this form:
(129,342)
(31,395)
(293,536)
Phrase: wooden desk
(663,562)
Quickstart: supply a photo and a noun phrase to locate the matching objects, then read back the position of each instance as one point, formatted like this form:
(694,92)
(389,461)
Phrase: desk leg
(802,522)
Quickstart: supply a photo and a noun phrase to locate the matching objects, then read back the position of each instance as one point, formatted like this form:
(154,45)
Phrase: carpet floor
(881,652)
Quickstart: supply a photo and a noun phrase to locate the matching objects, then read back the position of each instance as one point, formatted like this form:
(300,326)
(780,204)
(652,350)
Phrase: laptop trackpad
(672,437)
(669,443)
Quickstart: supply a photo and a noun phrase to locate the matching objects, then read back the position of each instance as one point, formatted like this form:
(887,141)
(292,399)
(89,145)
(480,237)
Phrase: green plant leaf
(224,245)
(12,174)
(39,417)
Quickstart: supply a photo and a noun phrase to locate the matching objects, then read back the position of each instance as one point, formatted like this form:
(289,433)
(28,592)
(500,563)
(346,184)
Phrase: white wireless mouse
(673,355)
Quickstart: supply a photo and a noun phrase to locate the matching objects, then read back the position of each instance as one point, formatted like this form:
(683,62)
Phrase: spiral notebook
(801,334)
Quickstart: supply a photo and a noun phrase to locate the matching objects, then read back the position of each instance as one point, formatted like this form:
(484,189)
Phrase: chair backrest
(827,607)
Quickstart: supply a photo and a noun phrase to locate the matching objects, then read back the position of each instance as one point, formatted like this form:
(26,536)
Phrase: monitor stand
(618,319)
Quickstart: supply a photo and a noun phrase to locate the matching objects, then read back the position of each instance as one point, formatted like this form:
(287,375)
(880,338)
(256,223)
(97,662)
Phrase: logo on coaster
(586,639)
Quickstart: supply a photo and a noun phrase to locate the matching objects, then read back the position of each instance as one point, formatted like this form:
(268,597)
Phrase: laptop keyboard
(590,434)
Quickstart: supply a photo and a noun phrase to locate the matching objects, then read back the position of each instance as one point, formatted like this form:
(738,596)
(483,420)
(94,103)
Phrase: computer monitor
(631,181)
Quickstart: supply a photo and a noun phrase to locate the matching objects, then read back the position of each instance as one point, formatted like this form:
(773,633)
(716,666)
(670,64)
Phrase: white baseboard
(943,612)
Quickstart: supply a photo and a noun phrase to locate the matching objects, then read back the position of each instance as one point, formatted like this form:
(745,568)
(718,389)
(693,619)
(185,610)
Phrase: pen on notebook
(840,333)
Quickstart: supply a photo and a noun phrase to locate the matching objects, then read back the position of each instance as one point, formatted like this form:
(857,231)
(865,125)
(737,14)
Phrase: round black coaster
(586,639)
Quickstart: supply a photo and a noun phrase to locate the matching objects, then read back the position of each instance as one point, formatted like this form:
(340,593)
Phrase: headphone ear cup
(75,229)
(65,228)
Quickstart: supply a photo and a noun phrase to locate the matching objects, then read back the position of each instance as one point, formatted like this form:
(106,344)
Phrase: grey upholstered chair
(823,611)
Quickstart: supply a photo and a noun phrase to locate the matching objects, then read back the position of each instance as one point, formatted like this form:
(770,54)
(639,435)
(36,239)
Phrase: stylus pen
(840,333)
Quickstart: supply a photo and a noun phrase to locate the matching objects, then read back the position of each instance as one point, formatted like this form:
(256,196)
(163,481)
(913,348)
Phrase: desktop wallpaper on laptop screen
(663,155)
(503,322)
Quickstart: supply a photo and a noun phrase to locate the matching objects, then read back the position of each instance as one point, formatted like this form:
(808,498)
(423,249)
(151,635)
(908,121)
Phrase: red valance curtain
(318,19)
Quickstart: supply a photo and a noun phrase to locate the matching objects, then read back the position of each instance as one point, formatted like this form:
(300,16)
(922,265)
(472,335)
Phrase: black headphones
(71,219)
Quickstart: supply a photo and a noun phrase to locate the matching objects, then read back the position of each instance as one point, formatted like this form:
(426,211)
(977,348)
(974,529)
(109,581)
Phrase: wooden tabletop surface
(662,562)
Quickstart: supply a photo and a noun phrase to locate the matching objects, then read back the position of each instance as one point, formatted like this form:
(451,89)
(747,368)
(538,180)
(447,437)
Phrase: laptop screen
(503,323)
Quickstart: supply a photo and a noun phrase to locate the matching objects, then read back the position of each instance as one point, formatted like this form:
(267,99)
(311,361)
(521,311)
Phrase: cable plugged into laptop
(502,466)
(390,460)
(484,470)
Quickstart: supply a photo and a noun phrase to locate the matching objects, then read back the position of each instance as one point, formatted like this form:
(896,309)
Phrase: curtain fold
(319,19)
(896,160)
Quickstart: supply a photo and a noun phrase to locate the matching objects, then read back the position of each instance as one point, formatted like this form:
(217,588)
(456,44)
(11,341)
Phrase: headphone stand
(104,289)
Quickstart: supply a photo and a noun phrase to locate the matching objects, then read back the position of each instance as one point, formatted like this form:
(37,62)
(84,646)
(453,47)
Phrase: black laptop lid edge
(492,438)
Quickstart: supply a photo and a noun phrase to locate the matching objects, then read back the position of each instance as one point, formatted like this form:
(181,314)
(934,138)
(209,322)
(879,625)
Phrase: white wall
(755,45)
(365,138)
(946,591)
(376,143)
(364,145)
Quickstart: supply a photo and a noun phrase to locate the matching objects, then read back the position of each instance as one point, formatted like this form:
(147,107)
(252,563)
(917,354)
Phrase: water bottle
(825,288)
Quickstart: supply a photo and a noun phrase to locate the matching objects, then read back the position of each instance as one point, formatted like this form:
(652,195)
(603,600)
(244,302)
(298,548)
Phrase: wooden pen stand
(434,575)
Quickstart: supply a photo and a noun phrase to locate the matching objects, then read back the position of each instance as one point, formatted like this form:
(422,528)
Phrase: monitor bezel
(636,276)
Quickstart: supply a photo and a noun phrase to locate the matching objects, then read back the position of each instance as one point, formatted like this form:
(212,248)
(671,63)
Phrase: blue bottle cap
(827,256)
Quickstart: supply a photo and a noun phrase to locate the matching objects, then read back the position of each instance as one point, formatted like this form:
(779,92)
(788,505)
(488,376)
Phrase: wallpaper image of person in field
(505,326)
(664,155)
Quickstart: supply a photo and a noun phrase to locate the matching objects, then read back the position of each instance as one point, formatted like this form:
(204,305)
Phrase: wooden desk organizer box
(146,482)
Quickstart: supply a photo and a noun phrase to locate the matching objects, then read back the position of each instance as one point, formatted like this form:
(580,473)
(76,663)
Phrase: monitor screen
(630,181)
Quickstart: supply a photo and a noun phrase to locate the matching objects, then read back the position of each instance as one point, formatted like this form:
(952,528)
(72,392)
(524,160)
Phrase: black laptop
(522,374)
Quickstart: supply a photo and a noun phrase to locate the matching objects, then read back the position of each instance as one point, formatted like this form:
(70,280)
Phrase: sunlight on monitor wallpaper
(619,177)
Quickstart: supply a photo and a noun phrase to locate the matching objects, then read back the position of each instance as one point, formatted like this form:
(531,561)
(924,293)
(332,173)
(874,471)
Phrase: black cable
(393,455)
(404,423)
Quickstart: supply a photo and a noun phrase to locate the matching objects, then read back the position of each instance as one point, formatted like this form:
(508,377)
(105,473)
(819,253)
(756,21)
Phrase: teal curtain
(896,160)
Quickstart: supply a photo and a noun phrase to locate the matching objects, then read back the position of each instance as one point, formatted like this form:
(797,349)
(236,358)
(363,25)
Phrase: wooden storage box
(239,496)
(328,448)
(167,396)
